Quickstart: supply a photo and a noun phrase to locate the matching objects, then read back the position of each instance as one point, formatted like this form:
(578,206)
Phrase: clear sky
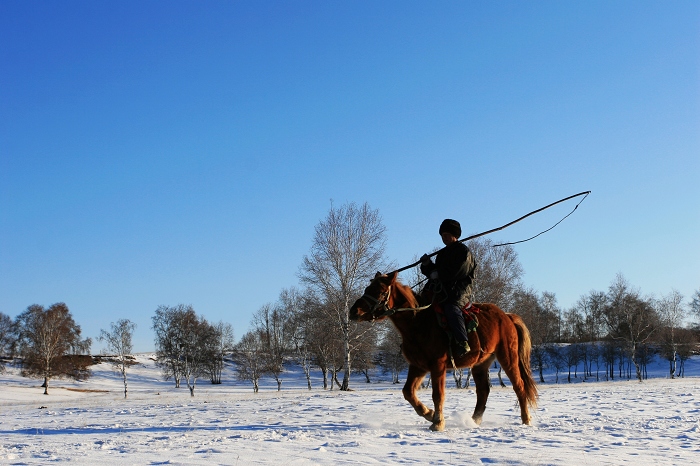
(182,152)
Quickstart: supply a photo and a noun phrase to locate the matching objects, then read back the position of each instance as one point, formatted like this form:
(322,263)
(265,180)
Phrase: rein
(394,310)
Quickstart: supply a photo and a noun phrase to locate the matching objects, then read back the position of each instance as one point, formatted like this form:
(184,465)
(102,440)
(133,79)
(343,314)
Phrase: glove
(426,265)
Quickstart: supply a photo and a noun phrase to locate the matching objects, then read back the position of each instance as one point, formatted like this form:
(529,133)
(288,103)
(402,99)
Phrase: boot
(461,348)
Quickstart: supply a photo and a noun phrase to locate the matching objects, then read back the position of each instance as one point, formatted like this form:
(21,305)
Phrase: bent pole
(584,193)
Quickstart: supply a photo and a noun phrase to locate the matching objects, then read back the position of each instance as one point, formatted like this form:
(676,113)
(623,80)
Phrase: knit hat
(451,226)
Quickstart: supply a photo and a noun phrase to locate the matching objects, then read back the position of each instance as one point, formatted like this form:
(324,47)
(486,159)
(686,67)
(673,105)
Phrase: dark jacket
(455,266)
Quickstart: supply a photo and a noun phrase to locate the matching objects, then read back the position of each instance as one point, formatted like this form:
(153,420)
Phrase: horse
(425,345)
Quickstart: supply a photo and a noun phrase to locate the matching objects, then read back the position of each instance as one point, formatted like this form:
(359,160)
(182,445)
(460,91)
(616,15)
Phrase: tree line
(617,331)
(614,332)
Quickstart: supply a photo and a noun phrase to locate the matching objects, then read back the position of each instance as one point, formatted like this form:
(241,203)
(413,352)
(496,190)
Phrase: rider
(451,278)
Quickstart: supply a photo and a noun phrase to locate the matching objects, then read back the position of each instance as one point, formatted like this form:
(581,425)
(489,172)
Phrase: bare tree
(301,321)
(223,343)
(687,346)
(608,352)
(272,323)
(119,344)
(572,356)
(46,336)
(347,249)
(168,340)
(186,344)
(498,275)
(629,318)
(584,324)
(365,349)
(7,339)
(250,356)
(390,356)
(555,356)
(672,313)
(645,355)
(572,326)
(551,318)
(695,305)
(335,368)
(594,356)
(586,351)
(325,346)
(199,347)
(541,317)
(458,376)
(591,308)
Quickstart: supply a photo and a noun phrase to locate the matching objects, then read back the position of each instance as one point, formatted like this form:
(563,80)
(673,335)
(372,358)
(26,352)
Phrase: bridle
(378,304)
(382,304)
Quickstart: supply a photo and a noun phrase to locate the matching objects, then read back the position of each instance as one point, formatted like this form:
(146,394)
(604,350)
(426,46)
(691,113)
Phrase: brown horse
(425,345)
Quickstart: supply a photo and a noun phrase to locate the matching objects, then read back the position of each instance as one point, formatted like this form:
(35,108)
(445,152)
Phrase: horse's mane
(407,293)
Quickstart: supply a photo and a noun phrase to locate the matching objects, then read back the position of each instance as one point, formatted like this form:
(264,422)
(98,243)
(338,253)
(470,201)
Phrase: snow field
(656,422)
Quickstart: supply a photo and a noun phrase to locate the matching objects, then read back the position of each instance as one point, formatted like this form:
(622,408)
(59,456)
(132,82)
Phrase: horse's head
(376,300)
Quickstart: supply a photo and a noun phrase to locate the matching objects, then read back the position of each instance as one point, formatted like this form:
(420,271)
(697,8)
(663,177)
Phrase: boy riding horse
(450,280)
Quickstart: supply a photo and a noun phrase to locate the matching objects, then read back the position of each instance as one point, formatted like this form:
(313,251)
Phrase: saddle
(469,312)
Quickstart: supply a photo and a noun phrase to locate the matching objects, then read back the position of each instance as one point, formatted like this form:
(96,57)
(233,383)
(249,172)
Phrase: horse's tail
(524,348)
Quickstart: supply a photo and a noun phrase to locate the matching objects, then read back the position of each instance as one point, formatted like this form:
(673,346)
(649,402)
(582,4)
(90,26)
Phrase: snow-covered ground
(622,422)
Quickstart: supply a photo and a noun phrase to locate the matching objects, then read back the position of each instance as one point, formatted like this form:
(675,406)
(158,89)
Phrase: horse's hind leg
(413,380)
(480,373)
(509,360)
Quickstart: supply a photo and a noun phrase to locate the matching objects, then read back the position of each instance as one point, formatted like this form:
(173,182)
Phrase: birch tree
(118,341)
(324,344)
(687,345)
(250,356)
(168,341)
(273,324)
(347,250)
(199,347)
(365,349)
(186,344)
(45,337)
(301,320)
(695,305)
(390,356)
(223,343)
(672,313)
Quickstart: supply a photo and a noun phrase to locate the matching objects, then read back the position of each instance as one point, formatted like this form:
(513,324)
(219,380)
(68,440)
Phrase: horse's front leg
(438,377)
(413,380)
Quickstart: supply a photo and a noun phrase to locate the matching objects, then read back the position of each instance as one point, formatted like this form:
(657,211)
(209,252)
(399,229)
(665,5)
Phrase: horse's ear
(377,275)
(393,276)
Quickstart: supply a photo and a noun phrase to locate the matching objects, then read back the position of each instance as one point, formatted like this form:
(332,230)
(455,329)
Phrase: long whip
(584,194)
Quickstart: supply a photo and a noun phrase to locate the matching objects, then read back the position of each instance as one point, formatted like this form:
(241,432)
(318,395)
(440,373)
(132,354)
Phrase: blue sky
(182,152)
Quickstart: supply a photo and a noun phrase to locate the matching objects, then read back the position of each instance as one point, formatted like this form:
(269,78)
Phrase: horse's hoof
(477,420)
(429,415)
(438,426)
